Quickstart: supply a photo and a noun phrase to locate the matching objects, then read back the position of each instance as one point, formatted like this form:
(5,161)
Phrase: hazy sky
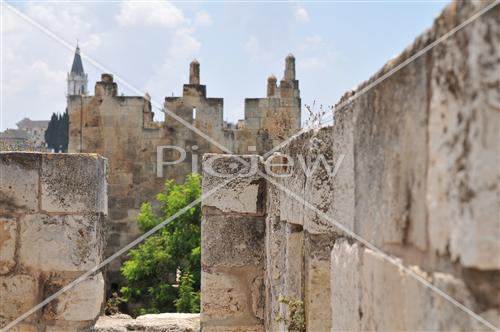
(150,44)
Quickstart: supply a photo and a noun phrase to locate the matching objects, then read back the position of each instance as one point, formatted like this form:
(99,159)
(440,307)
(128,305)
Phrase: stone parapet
(52,213)
(370,221)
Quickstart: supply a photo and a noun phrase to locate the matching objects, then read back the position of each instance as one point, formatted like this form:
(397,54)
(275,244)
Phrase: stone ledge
(244,194)
(167,322)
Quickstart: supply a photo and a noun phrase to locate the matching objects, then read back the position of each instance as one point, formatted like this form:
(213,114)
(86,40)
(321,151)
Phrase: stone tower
(77,78)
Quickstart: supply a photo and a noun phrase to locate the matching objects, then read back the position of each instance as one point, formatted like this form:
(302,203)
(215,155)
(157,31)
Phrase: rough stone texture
(169,322)
(84,301)
(241,196)
(19,189)
(232,250)
(412,210)
(18,296)
(122,129)
(8,239)
(464,144)
(61,243)
(51,229)
(242,243)
(81,188)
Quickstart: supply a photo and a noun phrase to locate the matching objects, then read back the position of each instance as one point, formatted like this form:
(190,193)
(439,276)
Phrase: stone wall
(233,251)
(52,214)
(122,129)
(413,204)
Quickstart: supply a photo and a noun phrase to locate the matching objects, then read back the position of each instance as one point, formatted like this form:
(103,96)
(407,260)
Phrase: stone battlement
(52,223)
(410,188)
(123,129)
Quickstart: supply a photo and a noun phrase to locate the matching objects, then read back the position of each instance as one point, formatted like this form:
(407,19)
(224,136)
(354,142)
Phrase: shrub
(163,273)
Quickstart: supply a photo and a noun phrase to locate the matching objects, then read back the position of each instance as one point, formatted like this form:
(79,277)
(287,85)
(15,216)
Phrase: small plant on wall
(296,319)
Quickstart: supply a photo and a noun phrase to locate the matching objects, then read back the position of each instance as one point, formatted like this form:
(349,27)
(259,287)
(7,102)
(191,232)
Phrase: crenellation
(123,129)
(411,213)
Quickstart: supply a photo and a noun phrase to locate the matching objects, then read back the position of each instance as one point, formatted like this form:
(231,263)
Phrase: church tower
(77,78)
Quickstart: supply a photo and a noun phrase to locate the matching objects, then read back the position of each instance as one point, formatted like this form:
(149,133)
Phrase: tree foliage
(163,273)
(56,135)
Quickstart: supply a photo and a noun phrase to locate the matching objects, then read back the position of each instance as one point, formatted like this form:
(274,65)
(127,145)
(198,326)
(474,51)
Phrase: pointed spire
(77,67)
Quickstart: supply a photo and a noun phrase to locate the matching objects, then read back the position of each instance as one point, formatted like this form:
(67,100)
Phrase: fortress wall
(233,252)
(122,129)
(52,224)
(418,187)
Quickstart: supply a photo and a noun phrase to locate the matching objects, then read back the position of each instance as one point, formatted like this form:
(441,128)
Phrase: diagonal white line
(363,91)
(129,246)
(385,256)
(124,82)
(394,70)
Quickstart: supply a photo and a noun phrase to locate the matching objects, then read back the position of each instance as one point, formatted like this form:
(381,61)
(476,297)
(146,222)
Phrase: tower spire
(77,78)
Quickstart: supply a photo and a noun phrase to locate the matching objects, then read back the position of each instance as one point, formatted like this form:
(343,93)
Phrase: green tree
(163,273)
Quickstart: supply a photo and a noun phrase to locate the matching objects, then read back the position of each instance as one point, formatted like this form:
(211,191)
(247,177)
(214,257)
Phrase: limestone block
(24,327)
(244,194)
(319,168)
(317,284)
(491,315)
(346,287)
(276,246)
(239,328)
(83,302)
(386,289)
(168,322)
(73,183)
(8,236)
(19,294)
(382,294)
(290,188)
(443,315)
(229,240)
(61,243)
(464,147)
(19,181)
(343,155)
(294,262)
(390,159)
(232,296)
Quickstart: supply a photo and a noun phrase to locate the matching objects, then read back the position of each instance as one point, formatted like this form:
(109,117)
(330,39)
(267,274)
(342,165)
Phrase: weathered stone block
(24,327)
(8,237)
(19,294)
(317,282)
(345,287)
(244,194)
(464,147)
(390,159)
(19,176)
(81,303)
(294,262)
(61,243)
(73,183)
(240,328)
(229,240)
(386,289)
(232,297)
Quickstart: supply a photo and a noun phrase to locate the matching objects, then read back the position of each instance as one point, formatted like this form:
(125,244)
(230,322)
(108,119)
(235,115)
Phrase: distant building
(30,135)
(35,130)
(122,129)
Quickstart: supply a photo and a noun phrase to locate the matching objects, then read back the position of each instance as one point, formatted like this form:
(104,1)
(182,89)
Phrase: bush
(163,273)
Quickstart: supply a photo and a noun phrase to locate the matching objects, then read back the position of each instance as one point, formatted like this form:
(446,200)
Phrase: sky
(149,44)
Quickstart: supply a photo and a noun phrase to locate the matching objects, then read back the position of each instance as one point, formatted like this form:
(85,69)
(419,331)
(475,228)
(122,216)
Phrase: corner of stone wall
(52,214)
(232,245)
